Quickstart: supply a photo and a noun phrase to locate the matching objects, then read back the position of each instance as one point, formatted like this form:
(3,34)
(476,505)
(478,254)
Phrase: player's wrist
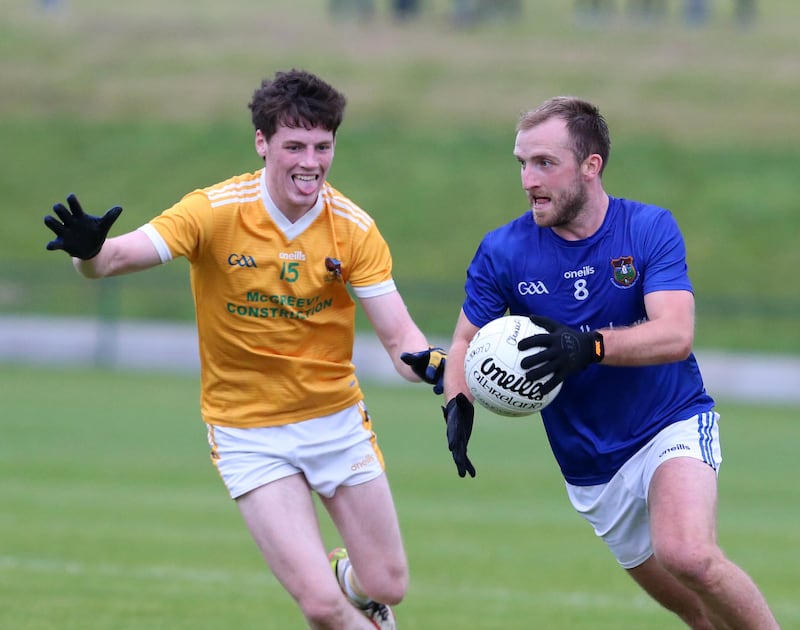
(597,345)
(458,404)
(87,251)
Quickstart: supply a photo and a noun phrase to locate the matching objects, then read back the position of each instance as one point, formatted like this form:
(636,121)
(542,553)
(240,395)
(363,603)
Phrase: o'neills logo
(488,373)
(368,460)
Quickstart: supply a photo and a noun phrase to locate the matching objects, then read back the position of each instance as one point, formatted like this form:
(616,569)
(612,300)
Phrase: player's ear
(592,166)
(261,144)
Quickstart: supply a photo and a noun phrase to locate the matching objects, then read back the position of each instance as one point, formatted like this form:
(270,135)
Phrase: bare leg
(282,519)
(366,519)
(674,596)
(683,514)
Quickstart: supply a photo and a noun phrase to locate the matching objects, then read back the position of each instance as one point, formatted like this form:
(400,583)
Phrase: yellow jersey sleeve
(275,319)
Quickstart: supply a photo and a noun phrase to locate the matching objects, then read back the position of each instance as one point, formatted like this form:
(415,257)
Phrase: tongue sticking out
(306,184)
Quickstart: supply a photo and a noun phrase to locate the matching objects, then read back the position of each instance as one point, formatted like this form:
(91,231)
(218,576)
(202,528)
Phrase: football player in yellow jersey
(271,255)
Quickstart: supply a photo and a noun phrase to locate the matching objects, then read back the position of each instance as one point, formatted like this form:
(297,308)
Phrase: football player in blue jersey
(633,429)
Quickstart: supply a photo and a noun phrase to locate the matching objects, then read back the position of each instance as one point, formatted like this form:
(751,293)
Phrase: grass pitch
(113,517)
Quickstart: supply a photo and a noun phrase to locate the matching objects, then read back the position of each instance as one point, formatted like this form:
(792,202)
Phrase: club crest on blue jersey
(334,269)
(625,273)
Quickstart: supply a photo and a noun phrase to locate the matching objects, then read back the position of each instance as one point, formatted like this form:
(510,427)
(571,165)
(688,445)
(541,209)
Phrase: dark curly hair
(296,99)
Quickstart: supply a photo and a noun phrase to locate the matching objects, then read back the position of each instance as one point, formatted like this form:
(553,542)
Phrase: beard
(567,205)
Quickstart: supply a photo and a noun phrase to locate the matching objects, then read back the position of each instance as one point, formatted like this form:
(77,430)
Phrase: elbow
(683,346)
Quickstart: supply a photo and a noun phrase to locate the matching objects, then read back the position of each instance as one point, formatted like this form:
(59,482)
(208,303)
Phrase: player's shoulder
(522,228)
(635,208)
(344,210)
(234,190)
(640,215)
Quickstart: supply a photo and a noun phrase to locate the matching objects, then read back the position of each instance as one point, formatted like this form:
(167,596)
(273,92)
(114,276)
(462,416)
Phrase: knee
(698,567)
(390,586)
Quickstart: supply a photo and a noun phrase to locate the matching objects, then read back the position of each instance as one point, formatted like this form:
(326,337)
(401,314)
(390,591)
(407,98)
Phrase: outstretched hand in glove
(459,414)
(428,365)
(564,352)
(79,234)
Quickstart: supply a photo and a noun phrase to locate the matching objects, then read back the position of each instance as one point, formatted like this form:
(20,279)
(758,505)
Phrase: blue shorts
(617,510)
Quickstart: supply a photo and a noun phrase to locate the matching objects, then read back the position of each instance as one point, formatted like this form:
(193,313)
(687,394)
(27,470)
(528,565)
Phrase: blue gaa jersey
(604,414)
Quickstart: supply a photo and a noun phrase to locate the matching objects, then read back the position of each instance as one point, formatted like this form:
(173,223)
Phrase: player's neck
(587,221)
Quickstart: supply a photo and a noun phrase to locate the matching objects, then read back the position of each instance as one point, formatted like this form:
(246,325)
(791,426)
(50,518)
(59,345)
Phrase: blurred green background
(138,103)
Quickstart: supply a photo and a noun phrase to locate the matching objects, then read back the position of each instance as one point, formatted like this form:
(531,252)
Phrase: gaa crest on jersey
(625,273)
(334,268)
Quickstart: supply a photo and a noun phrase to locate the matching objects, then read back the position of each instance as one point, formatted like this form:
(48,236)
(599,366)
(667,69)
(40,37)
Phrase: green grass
(138,105)
(114,518)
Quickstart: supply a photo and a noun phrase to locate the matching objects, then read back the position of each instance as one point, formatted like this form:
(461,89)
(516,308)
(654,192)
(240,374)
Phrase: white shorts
(331,451)
(617,510)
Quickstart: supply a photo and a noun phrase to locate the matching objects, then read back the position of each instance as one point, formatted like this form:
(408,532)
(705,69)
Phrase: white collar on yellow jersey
(291,230)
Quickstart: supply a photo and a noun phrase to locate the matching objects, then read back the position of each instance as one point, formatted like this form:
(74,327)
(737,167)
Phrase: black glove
(428,365)
(459,415)
(79,234)
(565,351)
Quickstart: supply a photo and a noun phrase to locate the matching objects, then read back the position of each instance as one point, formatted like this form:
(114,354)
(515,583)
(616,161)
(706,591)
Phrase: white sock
(359,599)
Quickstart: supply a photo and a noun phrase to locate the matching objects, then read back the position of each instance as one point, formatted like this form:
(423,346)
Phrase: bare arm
(459,412)
(666,336)
(122,254)
(395,328)
(454,380)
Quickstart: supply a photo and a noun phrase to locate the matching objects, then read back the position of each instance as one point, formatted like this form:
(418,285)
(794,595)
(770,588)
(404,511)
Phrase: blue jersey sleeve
(484,301)
(666,254)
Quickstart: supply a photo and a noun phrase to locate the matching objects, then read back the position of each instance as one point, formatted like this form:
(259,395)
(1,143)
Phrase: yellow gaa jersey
(275,319)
